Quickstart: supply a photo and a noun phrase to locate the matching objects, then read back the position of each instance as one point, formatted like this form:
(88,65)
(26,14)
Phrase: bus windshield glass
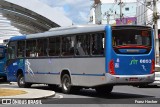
(131,39)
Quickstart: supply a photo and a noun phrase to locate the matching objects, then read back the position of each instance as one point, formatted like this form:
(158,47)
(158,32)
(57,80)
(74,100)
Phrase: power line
(113,6)
(145,5)
(121,15)
(142,13)
(108,14)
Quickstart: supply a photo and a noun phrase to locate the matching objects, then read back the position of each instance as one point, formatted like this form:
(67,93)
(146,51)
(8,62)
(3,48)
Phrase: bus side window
(41,49)
(97,43)
(12,50)
(54,46)
(68,43)
(20,49)
(31,48)
(83,45)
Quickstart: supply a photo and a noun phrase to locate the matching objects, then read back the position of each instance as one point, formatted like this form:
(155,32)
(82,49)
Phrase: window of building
(83,45)
(42,47)
(54,46)
(68,43)
(127,9)
(21,49)
(31,50)
(97,43)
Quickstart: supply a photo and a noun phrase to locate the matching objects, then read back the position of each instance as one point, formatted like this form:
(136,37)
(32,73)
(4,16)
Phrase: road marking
(60,96)
(57,96)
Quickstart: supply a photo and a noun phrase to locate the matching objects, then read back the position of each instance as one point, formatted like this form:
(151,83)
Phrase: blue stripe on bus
(89,74)
(71,74)
(15,38)
(43,73)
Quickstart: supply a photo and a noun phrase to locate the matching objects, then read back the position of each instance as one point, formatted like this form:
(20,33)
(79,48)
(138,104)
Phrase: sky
(77,10)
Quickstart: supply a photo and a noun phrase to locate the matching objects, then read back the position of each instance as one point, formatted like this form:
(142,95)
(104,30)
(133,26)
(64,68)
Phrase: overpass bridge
(27,17)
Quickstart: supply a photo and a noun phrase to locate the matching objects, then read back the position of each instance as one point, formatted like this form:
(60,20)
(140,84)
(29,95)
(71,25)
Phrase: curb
(24,96)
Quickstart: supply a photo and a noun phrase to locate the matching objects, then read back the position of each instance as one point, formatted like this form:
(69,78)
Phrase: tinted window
(12,50)
(21,49)
(131,39)
(83,45)
(97,43)
(31,48)
(42,47)
(54,46)
(68,44)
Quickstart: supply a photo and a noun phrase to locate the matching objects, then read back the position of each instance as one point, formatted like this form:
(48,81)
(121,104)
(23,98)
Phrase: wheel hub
(66,84)
(21,81)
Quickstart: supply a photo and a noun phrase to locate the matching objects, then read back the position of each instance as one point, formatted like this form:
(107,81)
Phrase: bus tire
(4,79)
(22,83)
(104,89)
(66,84)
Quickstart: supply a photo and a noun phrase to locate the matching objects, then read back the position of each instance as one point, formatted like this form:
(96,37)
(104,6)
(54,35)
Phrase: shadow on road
(149,86)
(3,81)
(91,93)
(112,95)
(90,96)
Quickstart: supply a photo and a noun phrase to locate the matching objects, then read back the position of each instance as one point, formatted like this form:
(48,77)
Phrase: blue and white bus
(2,62)
(91,56)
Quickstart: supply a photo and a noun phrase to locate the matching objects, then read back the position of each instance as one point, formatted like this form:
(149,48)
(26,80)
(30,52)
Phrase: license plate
(133,79)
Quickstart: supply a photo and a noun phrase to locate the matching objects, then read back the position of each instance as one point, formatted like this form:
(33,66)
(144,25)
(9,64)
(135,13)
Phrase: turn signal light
(111,67)
(153,67)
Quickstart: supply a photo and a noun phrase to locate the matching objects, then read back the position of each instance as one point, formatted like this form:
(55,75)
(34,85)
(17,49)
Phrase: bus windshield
(1,52)
(131,39)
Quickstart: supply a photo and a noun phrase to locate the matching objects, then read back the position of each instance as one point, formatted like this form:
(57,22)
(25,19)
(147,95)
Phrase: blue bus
(2,62)
(85,56)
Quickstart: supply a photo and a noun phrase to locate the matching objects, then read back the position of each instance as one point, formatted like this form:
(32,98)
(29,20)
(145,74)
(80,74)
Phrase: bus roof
(75,29)
(63,31)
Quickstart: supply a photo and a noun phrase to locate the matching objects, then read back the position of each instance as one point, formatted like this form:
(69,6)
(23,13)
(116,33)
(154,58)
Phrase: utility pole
(121,15)
(108,18)
(155,18)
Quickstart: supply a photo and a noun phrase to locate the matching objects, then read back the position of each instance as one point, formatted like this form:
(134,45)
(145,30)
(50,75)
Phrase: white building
(107,11)
(145,12)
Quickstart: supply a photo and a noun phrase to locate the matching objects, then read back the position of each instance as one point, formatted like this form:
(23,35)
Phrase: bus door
(11,61)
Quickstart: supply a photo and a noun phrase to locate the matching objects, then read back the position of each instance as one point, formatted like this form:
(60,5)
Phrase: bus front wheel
(104,89)
(21,82)
(66,84)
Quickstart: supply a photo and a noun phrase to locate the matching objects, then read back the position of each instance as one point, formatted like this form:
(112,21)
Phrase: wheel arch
(19,72)
(63,72)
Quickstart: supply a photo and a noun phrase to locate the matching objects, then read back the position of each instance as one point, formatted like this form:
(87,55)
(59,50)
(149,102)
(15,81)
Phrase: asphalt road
(121,96)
